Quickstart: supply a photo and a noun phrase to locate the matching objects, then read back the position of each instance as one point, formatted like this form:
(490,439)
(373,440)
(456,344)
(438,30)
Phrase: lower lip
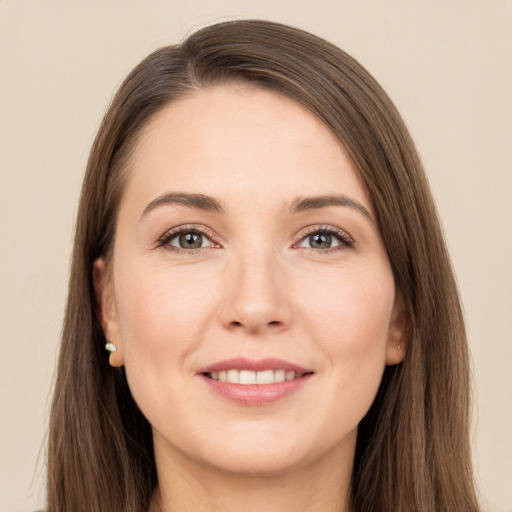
(257,394)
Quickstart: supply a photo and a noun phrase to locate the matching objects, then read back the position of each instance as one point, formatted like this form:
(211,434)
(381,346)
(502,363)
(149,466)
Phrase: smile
(255,382)
(247,377)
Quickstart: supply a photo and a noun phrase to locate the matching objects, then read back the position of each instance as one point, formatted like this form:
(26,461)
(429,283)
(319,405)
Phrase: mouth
(249,377)
(255,383)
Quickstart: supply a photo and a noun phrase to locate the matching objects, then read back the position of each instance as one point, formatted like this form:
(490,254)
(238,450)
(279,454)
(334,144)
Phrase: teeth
(247,377)
(265,377)
(279,375)
(232,376)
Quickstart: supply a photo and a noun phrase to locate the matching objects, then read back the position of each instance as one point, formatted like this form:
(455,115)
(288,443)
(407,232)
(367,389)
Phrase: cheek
(360,320)
(162,313)
(352,334)
(349,319)
(351,305)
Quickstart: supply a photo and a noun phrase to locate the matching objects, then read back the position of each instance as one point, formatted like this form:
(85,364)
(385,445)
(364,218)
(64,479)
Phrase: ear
(398,341)
(105,299)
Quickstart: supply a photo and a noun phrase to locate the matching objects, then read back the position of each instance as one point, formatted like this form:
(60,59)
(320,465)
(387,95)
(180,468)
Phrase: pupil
(191,240)
(320,241)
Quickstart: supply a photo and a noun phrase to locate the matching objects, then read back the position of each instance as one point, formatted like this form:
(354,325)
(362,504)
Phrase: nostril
(256,323)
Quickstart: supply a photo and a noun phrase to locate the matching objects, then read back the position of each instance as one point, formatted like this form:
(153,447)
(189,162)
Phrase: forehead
(240,140)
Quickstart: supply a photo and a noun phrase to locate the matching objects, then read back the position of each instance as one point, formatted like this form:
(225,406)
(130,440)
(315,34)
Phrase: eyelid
(164,240)
(346,241)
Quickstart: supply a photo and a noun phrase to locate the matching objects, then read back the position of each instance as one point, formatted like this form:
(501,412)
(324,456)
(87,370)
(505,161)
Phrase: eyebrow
(209,204)
(198,201)
(301,204)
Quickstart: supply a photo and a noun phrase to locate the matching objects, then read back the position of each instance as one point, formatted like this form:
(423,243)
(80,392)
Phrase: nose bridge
(256,298)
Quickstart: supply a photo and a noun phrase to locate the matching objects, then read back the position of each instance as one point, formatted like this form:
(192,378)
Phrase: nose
(256,298)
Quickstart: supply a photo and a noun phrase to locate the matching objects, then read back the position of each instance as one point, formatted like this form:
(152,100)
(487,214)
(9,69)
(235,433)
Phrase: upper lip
(256,365)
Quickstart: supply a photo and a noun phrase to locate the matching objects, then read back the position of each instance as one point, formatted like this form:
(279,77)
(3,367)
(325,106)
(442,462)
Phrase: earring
(398,347)
(110,346)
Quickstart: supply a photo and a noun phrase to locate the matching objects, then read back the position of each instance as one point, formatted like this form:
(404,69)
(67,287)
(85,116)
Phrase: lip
(241,363)
(255,394)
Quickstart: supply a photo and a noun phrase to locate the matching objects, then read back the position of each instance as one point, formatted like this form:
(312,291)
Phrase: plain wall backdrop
(446,64)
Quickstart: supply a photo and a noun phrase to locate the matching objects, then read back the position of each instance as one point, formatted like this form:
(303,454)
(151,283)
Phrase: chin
(257,463)
(270,455)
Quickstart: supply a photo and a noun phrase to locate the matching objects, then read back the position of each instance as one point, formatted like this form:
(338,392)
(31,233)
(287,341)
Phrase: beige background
(447,65)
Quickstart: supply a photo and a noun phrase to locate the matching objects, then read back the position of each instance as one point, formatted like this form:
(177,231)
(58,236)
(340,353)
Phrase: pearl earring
(110,346)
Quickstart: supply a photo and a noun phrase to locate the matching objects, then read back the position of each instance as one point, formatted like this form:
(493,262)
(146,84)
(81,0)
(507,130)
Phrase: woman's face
(247,249)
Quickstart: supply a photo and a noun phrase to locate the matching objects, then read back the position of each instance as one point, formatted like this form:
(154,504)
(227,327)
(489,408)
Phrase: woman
(258,251)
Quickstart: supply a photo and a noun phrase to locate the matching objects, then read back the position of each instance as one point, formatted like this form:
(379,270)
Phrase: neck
(186,485)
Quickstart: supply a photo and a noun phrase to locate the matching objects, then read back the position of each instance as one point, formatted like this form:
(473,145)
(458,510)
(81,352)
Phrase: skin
(257,288)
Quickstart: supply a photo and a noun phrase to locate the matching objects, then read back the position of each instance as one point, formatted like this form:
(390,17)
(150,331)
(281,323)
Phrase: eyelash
(345,241)
(170,235)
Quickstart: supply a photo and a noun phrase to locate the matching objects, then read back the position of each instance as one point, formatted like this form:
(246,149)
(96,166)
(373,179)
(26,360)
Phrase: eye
(186,239)
(324,239)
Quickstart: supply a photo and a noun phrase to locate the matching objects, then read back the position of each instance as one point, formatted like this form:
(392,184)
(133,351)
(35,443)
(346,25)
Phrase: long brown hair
(412,449)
